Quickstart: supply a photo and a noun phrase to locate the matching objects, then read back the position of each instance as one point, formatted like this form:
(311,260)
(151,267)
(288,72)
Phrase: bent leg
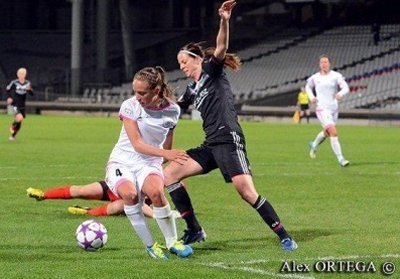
(173,174)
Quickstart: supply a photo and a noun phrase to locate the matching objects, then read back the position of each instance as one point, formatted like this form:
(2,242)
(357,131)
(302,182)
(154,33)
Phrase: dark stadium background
(113,38)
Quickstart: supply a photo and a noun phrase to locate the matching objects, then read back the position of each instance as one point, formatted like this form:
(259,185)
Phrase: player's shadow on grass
(310,234)
(366,163)
(256,242)
(232,244)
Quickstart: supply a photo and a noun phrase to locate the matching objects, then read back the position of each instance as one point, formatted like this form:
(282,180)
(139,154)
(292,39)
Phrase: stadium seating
(282,64)
(278,65)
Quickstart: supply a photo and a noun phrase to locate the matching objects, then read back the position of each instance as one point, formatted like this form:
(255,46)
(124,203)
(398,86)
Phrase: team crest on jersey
(128,111)
(168,124)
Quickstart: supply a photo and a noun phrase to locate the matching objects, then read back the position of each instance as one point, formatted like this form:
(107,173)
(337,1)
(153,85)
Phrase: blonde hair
(22,71)
(156,78)
(232,60)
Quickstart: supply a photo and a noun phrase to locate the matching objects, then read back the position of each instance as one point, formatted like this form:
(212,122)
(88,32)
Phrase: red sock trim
(98,211)
(58,193)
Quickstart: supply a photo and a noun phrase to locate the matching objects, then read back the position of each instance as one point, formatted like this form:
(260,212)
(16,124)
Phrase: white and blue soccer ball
(91,235)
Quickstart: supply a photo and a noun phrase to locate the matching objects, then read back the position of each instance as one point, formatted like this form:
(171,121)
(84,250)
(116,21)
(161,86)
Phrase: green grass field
(334,213)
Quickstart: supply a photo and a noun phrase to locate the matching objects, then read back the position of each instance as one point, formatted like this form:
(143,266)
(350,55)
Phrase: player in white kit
(330,87)
(134,168)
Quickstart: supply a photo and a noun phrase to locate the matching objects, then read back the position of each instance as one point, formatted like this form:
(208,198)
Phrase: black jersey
(17,91)
(212,96)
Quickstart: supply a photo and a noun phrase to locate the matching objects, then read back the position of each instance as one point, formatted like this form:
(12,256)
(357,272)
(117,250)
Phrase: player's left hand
(338,97)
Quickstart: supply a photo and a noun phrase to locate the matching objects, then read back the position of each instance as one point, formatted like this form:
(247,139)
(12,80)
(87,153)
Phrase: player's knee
(157,198)
(332,132)
(19,117)
(128,193)
(247,196)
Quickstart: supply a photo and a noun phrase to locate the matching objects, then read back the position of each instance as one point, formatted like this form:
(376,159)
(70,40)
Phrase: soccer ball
(91,235)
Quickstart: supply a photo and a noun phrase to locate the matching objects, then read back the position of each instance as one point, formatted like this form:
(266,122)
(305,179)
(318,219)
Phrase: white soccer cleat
(313,150)
(344,163)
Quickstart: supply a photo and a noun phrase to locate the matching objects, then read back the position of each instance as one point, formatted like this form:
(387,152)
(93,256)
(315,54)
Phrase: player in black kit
(224,145)
(16,97)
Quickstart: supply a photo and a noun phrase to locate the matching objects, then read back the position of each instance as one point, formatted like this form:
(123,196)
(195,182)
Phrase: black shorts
(105,191)
(304,107)
(230,158)
(20,110)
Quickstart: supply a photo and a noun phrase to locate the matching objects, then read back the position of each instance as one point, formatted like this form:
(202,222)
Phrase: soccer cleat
(344,163)
(11,138)
(191,236)
(313,150)
(181,250)
(156,252)
(175,214)
(35,193)
(288,244)
(78,210)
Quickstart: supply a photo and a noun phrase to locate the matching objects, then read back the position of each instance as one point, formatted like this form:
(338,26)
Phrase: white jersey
(326,87)
(154,126)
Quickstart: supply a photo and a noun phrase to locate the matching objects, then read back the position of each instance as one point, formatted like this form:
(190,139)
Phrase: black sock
(267,212)
(183,204)
(16,126)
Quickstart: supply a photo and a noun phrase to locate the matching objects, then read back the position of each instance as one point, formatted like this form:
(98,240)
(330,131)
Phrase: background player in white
(135,164)
(326,84)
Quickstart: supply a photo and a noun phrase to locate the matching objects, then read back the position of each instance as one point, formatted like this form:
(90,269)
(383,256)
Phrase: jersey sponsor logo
(21,89)
(200,98)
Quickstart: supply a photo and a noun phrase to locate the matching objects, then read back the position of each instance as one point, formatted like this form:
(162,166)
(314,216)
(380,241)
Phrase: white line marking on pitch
(258,271)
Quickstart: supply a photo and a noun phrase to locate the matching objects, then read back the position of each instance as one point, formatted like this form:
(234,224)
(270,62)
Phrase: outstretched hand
(178,156)
(226,8)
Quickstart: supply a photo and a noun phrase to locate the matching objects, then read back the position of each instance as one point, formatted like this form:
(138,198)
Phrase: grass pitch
(336,214)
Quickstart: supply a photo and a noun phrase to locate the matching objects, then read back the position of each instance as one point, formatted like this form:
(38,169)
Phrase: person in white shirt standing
(134,168)
(326,84)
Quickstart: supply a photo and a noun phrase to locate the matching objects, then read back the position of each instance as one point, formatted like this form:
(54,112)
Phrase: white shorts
(117,173)
(328,118)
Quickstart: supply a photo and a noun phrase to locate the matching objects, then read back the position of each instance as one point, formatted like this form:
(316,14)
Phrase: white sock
(319,139)
(166,223)
(139,223)
(335,144)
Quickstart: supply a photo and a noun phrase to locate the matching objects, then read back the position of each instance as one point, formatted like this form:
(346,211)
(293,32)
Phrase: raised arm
(222,42)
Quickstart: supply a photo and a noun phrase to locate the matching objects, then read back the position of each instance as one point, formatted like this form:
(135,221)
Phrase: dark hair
(155,77)
(232,60)
(324,56)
